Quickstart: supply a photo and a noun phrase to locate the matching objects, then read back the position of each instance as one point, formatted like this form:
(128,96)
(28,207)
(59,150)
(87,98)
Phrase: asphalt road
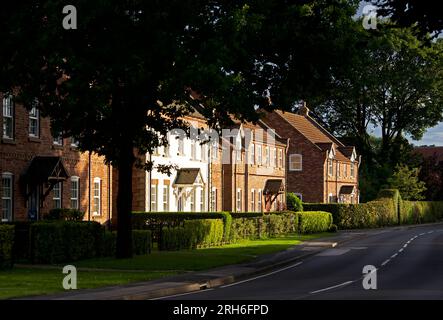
(409,265)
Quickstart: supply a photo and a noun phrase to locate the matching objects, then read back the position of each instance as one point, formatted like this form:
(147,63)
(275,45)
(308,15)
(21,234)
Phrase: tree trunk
(124,204)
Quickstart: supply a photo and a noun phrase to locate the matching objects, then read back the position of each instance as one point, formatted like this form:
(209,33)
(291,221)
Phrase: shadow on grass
(200,259)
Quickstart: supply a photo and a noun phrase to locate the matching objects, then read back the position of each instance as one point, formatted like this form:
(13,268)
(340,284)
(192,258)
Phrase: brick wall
(16,155)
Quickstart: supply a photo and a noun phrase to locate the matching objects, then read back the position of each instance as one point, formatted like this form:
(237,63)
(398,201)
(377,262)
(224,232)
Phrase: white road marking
(400,250)
(333,287)
(385,262)
(262,276)
(405,245)
(394,255)
(422,234)
(182,294)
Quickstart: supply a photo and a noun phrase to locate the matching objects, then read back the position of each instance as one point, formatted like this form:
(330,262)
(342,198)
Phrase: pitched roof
(46,168)
(315,133)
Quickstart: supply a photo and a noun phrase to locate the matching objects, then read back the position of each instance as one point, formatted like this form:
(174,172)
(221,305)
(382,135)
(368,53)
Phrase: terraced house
(40,172)
(250,170)
(320,168)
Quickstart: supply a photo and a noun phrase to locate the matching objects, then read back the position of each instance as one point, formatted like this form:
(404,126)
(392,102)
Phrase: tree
(395,84)
(425,16)
(407,182)
(130,66)
(432,174)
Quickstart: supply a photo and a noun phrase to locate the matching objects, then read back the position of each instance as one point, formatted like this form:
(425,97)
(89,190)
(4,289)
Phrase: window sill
(34,139)
(57,146)
(8,141)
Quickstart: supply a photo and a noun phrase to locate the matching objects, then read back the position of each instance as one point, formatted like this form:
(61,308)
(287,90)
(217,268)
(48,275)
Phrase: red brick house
(320,168)
(40,172)
(248,171)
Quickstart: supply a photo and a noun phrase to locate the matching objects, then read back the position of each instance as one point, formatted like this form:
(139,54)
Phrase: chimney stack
(304,110)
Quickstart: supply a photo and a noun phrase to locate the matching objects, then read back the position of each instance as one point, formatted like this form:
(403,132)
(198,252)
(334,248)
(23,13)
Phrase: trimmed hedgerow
(55,242)
(193,234)
(6,245)
(381,212)
(314,221)
(157,221)
(412,212)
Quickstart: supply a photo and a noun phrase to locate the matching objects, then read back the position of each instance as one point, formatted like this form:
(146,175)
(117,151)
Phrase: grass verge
(93,273)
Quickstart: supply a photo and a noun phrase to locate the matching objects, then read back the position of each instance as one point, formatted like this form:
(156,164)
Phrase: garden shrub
(293,202)
(6,245)
(314,221)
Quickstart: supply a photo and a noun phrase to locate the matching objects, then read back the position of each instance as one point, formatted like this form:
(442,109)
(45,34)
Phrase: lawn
(40,280)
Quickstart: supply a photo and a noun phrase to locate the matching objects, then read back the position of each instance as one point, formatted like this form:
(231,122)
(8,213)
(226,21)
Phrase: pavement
(293,273)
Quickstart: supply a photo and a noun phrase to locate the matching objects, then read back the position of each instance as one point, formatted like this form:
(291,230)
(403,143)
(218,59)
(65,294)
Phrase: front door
(34,205)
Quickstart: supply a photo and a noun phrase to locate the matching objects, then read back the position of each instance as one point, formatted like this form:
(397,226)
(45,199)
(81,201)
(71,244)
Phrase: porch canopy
(44,171)
(187,177)
(273,187)
(347,190)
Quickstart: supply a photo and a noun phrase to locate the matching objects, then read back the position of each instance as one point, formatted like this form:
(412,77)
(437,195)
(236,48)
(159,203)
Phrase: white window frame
(75,193)
(34,117)
(193,149)
(57,192)
(192,200)
(338,169)
(253,200)
(331,198)
(238,147)
(345,170)
(238,200)
(259,154)
(58,141)
(153,198)
(74,142)
(267,156)
(8,113)
(97,197)
(352,170)
(165,197)
(252,153)
(7,214)
(274,157)
(280,158)
(260,200)
(202,199)
(299,195)
(203,152)
(214,148)
(181,146)
(214,199)
(330,167)
(293,161)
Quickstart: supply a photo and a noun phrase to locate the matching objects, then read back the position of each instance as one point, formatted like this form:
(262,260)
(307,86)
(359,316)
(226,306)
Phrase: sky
(433,136)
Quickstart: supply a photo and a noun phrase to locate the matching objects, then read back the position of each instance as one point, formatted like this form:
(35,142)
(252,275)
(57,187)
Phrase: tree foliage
(406,180)
(130,64)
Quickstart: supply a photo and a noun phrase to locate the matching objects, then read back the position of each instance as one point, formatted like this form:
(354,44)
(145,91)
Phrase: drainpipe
(109,197)
(89,186)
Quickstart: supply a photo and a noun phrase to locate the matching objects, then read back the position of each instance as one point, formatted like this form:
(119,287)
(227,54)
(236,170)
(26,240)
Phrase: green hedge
(314,221)
(378,213)
(193,234)
(65,214)
(157,221)
(55,242)
(6,245)
(412,212)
